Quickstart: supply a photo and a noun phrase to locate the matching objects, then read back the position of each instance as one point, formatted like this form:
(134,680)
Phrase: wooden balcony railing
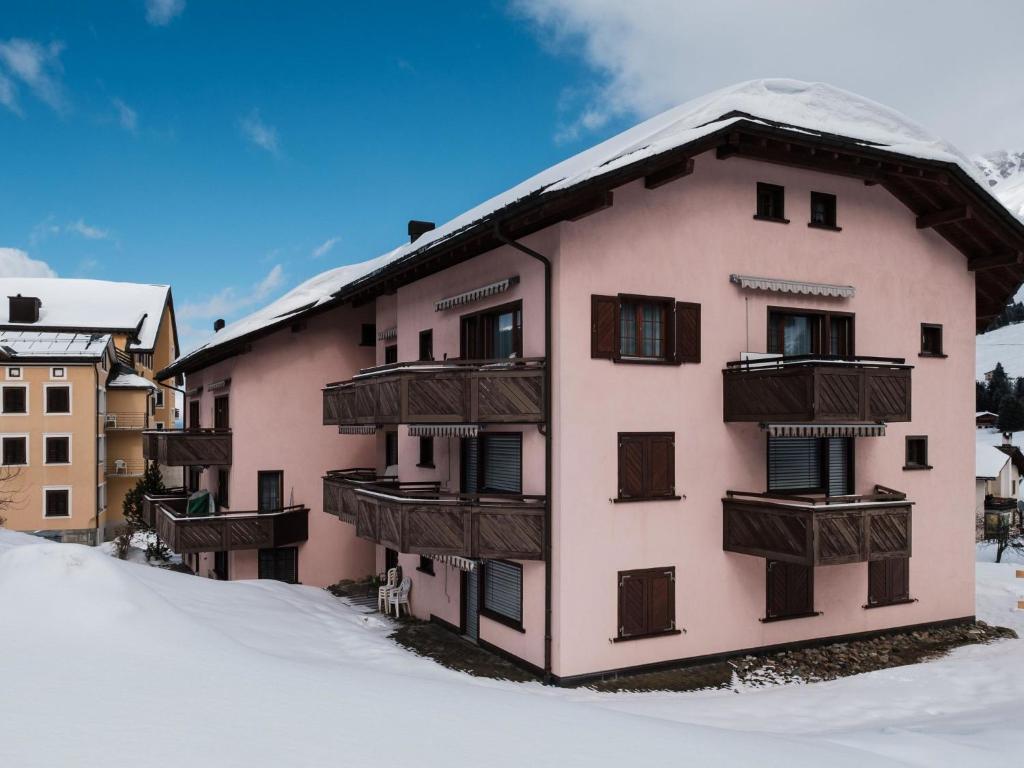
(818,530)
(817,390)
(175,498)
(419,518)
(443,392)
(123,421)
(187,447)
(224,532)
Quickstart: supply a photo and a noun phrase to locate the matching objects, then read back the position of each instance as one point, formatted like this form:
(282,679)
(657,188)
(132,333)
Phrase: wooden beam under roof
(946,216)
(669,173)
(994,261)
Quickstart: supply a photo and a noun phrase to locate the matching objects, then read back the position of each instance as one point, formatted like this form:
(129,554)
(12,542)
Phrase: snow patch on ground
(260,673)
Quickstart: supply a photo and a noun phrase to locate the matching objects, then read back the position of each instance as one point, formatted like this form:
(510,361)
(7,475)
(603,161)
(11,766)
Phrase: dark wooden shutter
(789,588)
(632,604)
(631,466)
(604,326)
(661,466)
(647,603)
(662,604)
(687,332)
(888,581)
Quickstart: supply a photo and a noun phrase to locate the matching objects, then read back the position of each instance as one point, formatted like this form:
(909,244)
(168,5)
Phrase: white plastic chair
(399,597)
(120,467)
(384,589)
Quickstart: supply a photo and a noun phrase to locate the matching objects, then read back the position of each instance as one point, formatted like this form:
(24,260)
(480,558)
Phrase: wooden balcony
(187,447)
(223,532)
(419,518)
(444,392)
(817,390)
(817,530)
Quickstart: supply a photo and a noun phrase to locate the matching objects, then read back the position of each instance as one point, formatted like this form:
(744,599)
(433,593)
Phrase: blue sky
(233,149)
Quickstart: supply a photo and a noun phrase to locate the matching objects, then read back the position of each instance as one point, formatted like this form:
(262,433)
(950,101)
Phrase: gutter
(545,429)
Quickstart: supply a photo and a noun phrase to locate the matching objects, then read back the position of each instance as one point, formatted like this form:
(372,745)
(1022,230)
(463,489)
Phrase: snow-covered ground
(111,663)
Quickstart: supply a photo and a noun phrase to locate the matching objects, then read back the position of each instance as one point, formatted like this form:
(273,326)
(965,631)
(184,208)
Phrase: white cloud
(160,13)
(325,247)
(259,133)
(230,300)
(87,231)
(36,66)
(126,116)
(647,55)
(14,262)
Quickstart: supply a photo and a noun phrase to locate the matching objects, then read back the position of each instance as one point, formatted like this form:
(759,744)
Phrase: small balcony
(421,519)
(443,392)
(810,530)
(223,532)
(126,421)
(125,467)
(187,447)
(817,390)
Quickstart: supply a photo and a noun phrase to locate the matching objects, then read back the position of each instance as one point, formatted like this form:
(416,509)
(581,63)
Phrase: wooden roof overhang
(941,195)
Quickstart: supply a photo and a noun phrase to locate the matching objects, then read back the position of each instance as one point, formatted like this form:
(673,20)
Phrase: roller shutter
(502,462)
(503,590)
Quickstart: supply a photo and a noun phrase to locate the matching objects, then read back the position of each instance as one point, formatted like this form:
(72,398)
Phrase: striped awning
(477,293)
(222,384)
(462,563)
(443,430)
(793,286)
(824,430)
(388,333)
(359,429)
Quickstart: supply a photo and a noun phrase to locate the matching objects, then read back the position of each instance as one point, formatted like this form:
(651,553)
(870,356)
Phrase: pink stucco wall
(277,424)
(684,240)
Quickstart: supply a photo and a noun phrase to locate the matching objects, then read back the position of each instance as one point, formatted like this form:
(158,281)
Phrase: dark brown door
(270,491)
(790,589)
(193,414)
(221,413)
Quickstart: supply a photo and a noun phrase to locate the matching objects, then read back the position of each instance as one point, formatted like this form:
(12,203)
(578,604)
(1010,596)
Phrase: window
(14,372)
(368,335)
(15,451)
(493,334)
(101,497)
(193,414)
(426,565)
(220,566)
(193,478)
(15,399)
(269,490)
(58,373)
(57,449)
(888,581)
(158,398)
(493,463)
(145,359)
(501,592)
(771,202)
(647,466)
(427,345)
(221,412)
(391,449)
(792,333)
(931,340)
(917,452)
(281,564)
(426,452)
(159,425)
(390,354)
(58,399)
(56,502)
(789,590)
(810,465)
(823,211)
(222,488)
(647,603)
(644,329)
(101,449)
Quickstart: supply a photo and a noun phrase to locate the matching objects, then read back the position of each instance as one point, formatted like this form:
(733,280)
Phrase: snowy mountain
(1004,171)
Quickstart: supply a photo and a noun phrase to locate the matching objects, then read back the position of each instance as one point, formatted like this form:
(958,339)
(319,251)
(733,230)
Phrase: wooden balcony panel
(227,532)
(817,533)
(818,392)
(174,498)
(188,447)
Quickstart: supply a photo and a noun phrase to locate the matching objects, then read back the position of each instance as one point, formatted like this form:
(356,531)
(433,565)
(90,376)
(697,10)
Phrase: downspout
(545,430)
(96,442)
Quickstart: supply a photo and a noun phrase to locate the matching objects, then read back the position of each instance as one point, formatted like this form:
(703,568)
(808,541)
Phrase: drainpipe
(545,430)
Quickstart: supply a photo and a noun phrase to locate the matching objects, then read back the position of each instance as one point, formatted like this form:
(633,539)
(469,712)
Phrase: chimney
(23,309)
(1007,438)
(218,324)
(417,228)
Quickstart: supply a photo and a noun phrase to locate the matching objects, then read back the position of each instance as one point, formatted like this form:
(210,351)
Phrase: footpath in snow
(110,663)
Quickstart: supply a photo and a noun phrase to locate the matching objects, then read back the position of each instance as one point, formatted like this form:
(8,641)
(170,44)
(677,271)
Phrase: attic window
(823,211)
(771,203)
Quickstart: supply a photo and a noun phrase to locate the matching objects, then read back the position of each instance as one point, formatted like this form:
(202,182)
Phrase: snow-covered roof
(90,304)
(988,461)
(46,345)
(978,414)
(805,108)
(126,380)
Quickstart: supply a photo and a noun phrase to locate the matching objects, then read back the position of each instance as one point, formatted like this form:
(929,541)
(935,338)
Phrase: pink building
(680,396)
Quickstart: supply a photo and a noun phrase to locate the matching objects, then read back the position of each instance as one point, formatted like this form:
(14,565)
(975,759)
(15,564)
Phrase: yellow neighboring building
(76,370)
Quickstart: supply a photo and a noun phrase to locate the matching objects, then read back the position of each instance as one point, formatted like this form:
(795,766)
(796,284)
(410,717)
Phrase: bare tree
(8,490)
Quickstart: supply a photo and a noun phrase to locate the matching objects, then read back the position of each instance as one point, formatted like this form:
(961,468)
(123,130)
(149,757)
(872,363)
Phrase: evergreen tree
(1011,414)
(981,397)
(151,482)
(998,387)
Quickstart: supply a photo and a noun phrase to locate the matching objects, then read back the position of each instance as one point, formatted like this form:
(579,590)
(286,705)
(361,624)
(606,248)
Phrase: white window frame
(71,509)
(158,397)
(101,450)
(71,400)
(101,492)
(28,449)
(159,424)
(20,376)
(68,435)
(58,376)
(28,405)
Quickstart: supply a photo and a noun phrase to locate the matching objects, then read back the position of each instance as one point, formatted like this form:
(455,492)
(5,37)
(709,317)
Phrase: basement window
(771,203)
